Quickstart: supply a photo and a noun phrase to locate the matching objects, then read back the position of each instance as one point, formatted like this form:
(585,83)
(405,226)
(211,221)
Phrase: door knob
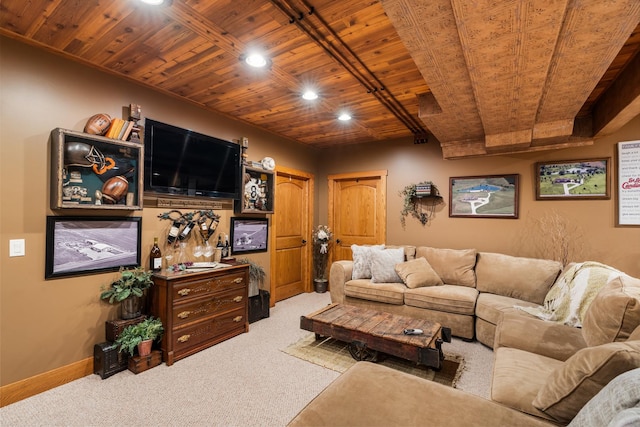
(304,242)
(338,240)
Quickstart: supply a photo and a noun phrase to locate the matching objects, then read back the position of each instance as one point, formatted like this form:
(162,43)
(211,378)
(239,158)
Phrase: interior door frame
(290,172)
(381,174)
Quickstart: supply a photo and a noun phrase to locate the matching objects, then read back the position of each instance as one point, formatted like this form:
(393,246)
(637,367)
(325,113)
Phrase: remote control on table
(412,331)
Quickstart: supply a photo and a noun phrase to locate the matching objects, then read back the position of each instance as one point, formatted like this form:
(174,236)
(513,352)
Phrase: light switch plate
(16,247)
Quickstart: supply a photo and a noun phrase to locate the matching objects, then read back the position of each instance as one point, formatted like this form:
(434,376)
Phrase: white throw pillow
(383,265)
(362,261)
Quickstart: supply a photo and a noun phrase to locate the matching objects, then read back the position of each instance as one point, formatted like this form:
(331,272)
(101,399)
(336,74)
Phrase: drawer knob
(237,319)
(184,292)
(184,314)
(238,298)
(237,280)
(184,338)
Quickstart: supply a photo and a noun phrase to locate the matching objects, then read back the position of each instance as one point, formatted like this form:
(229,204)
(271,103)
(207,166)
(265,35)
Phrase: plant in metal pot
(322,240)
(132,336)
(256,276)
(128,289)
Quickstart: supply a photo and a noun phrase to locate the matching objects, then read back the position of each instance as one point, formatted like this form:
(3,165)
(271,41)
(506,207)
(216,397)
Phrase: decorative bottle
(173,232)
(186,230)
(226,248)
(155,257)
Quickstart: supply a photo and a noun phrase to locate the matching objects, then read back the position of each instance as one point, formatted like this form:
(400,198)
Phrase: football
(114,189)
(98,124)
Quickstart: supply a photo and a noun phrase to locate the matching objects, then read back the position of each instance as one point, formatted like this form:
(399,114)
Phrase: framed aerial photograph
(89,245)
(488,196)
(249,235)
(573,179)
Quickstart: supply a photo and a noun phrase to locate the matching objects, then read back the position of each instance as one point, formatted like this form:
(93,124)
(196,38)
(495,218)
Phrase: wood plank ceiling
(483,77)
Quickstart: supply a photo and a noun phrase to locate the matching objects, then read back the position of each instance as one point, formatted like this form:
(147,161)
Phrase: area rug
(333,354)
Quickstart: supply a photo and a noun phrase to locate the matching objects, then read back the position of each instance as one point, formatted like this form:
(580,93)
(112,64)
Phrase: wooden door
(290,261)
(357,210)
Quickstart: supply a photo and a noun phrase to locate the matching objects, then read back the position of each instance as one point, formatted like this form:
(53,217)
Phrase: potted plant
(256,276)
(321,244)
(128,289)
(140,336)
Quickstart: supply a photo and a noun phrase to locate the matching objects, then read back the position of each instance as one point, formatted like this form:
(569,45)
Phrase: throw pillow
(383,263)
(622,393)
(418,273)
(583,375)
(614,313)
(362,261)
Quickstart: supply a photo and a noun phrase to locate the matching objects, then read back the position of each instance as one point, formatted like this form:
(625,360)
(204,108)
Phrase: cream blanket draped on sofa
(569,297)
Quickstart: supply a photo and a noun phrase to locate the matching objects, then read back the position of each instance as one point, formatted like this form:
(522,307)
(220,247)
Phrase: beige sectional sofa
(476,287)
(544,373)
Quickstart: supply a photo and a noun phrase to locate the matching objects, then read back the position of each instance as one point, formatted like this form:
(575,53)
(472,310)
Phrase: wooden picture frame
(80,245)
(486,196)
(585,179)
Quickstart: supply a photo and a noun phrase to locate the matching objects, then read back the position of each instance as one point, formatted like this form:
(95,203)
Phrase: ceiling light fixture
(309,95)
(153,2)
(345,117)
(256,60)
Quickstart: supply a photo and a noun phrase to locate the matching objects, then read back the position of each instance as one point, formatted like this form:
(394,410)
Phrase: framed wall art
(488,196)
(573,179)
(249,235)
(89,245)
(629,183)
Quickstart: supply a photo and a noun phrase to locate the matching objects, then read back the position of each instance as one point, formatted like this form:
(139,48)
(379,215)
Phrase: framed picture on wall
(573,179)
(487,196)
(249,235)
(89,245)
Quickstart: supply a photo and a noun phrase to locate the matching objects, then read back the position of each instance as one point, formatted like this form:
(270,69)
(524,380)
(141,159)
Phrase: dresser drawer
(210,330)
(220,302)
(206,286)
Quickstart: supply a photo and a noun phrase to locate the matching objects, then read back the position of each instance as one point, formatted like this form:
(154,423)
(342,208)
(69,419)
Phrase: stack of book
(120,129)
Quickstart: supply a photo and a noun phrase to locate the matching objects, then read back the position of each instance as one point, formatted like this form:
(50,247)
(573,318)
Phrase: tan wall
(49,324)
(406,163)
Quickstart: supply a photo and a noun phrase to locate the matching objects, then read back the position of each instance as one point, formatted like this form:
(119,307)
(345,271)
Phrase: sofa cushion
(418,273)
(526,279)
(390,293)
(621,394)
(449,298)
(518,376)
(454,266)
(614,313)
(583,375)
(383,265)
(362,261)
(491,307)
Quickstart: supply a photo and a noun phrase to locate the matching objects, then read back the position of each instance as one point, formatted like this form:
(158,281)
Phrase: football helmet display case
(257,191)
(94,172)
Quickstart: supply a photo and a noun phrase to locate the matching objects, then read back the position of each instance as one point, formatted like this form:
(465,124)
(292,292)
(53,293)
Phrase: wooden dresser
(200,309)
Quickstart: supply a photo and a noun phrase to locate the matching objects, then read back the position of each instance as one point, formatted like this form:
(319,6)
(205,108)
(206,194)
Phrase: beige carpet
(333,354)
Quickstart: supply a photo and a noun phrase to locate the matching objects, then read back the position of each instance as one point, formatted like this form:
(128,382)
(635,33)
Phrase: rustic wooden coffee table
(370,331)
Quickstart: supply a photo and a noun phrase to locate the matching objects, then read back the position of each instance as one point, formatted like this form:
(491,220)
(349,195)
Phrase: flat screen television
(187,163)
(249,235)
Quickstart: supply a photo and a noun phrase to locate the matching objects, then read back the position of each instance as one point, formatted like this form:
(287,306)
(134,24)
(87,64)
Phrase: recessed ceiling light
(344,117)
(153,2)
(256,60)
(309,95)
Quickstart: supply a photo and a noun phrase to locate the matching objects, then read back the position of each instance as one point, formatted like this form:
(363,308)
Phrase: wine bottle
(186,230)
(173,232)
(225,249)
(155,257)
(219,245)
(204,229)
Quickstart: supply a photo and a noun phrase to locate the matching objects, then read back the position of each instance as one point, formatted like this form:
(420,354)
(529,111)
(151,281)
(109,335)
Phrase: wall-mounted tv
(186,163)
(249,235)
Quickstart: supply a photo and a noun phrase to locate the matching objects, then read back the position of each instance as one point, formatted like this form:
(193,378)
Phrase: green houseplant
(256,276)
(128,289)
(133,336)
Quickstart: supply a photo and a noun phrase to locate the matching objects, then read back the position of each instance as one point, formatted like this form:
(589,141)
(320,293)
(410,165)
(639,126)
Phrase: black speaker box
(259,306)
